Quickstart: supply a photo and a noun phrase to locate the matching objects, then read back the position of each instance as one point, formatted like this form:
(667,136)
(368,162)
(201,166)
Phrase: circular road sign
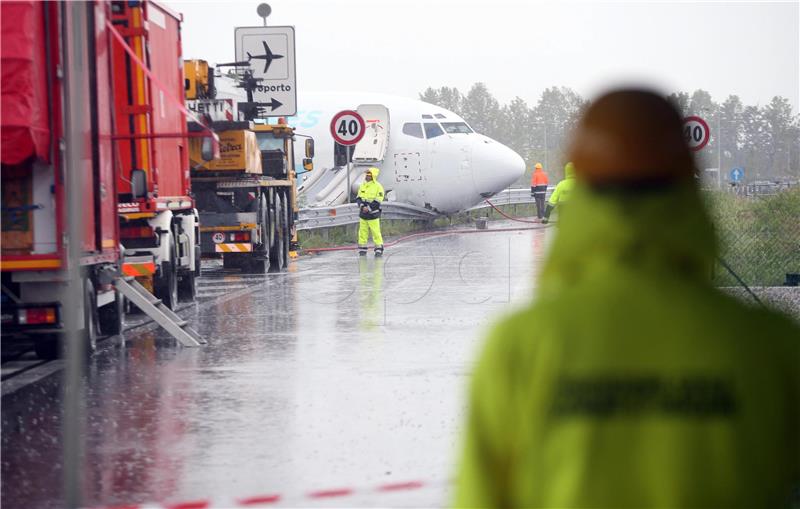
(347,127)
(264,10)
(696,132)
(218,238)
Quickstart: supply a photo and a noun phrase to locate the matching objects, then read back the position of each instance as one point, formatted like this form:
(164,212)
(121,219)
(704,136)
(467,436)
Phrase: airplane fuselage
(428,156)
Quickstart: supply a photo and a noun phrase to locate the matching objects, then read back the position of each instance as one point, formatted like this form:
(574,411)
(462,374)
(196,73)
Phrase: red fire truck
(127,88)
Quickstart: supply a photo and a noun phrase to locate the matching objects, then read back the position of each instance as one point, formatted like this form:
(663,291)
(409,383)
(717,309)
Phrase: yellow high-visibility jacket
(630,381)
(564,188)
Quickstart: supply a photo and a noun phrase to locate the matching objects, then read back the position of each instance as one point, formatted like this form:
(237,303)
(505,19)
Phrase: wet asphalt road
(343,372)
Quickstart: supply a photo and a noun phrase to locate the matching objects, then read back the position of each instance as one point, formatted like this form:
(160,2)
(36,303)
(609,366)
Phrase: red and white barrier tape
(276,499)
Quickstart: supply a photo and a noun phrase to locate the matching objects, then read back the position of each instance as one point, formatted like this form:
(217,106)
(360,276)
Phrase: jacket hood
(666,230)
(569,171)
(375,172)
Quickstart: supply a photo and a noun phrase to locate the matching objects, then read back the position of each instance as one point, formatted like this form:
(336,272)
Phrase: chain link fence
(759,236)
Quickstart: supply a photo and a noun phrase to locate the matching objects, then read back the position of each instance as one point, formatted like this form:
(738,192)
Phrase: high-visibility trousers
(365,226)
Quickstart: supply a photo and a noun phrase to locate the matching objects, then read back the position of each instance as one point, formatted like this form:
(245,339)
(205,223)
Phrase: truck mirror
(308,164)
(207,148)
(310,148)
(138,184)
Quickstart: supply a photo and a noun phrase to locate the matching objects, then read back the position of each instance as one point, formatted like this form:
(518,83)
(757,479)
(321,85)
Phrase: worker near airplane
(561,192)
(539,188)
(370,196)
(631,381)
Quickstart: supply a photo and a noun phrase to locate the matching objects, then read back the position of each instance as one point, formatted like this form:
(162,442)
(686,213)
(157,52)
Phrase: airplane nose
(494,166)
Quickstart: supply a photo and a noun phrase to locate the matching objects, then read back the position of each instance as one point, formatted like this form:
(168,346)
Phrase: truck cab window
(266,142)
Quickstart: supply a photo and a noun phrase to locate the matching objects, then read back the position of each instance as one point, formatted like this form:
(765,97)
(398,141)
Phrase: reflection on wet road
(343,371)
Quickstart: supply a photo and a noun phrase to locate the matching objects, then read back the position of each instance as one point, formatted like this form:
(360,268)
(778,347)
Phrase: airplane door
(372,147)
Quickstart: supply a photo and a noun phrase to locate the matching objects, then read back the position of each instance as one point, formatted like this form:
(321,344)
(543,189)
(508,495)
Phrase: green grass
(759,236)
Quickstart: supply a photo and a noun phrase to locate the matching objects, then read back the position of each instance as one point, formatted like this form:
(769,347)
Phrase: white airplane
(428,156)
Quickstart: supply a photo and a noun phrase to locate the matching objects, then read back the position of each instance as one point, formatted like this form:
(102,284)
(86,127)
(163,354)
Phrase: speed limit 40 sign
(347,127)
(696,132)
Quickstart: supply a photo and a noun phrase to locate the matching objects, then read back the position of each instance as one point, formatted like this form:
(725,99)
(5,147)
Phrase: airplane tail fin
(249,56)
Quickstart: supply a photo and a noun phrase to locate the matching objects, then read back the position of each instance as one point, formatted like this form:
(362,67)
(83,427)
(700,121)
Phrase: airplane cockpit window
(456,128)
(428,116)
(439,115)
(413,129)
(433,130)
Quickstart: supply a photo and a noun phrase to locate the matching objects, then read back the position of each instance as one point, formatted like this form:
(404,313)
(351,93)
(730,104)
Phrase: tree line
(763,140)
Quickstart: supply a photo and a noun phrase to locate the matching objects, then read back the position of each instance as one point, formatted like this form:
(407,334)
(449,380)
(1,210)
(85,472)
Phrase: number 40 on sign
(696,132)
(347,127)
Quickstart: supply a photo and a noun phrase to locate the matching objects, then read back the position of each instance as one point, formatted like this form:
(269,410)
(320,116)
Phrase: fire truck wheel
(89,333)
(198,262)
(110,316)
(187,286)
(166,285)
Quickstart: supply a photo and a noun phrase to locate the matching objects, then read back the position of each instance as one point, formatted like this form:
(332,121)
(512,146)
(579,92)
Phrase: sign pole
(347,128)
(348,174)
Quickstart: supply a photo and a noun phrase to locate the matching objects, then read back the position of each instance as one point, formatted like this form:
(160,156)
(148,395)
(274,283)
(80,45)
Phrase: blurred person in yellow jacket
(561,192)
(539,188)
(631,381)
(369,199)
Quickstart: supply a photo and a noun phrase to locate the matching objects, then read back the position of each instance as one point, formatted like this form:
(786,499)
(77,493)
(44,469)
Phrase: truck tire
(90,330)
(198,262)
(187,286)
(165,286)
(257,262)
(279,251)
(109,317)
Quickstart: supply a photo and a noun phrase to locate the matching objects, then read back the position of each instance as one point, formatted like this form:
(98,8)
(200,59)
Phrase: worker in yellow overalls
(370,196)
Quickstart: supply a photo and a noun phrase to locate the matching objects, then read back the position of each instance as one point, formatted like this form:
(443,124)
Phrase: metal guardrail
(326,217)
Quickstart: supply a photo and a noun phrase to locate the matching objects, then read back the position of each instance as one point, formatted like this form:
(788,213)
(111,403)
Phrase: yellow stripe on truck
(30,264)
(233,248)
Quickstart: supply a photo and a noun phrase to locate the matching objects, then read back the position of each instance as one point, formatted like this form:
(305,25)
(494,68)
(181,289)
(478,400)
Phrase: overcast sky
(519,48)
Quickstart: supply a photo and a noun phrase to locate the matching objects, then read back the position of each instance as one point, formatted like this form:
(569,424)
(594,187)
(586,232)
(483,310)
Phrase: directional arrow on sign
(273,103)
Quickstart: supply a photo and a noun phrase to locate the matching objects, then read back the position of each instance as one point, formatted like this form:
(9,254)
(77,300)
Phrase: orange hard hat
(630,136)
(538,166)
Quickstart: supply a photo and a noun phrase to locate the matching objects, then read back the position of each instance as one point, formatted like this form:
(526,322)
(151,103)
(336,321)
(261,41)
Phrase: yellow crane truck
(246,199)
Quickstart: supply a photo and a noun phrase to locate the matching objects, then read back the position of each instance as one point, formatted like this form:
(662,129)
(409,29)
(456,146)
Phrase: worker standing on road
(561,192)
(631,381)
(539,188)
(370,196)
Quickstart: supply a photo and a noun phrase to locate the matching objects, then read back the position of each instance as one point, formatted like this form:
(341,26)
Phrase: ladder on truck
(176,326)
